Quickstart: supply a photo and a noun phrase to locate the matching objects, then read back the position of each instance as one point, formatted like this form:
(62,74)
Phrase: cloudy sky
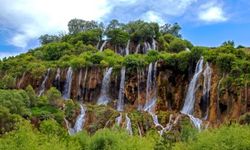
(204,22)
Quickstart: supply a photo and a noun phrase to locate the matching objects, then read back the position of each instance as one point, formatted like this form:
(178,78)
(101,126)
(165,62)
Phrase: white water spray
(188,106)
(120,103)
(128,125)
(207,86)
(42,87)
(103,45)
(80,119)
(67,86)
(104,98)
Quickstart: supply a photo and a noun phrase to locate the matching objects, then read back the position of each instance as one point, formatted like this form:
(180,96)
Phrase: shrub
(226,138)
(54,96)
(17,101)
(225,62)
(177,45)
(7,82)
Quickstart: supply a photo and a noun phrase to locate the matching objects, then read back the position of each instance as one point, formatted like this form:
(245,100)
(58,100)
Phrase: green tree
(32,95)
(7,82)
(171,29)
(228,43)
(54,51)
(225,61)
(78,25)
(7,120)
(177,45)
(54,96)
(45,39)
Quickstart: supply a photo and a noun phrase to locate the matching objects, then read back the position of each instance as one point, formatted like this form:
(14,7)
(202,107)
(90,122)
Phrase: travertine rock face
(226,103)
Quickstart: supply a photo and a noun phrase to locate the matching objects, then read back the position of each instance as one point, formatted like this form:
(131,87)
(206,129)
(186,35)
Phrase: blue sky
(204,22)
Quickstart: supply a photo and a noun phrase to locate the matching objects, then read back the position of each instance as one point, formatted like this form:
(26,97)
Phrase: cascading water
(188,106)
(67,86)
(58,72)
(127,48)
(120,105)
(21,80)
(42,87)
(137,48)
(80,119)
(98,44)
(190,98)
(151,93)
(103,45)
(104,99)
(128,125)
(119,119)
(206,88)
(79,122)
(139,74)
(147,47)
(153,44)
(71,131)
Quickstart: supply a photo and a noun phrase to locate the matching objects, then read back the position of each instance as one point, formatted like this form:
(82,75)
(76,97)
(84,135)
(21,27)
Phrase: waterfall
(21,80)
(119,119)
(80,119)
(97,45)
(188,106)
(140,107)
(70,130)
(127,48)
(103,45)
(128,125)
(196,121)
(58,72)
(153,44)
(120,105)
(79,122)
(147,47)
(137,48)
(206,87)
(67,86)
(104,99)
(151,94)
(79,85)
(190,98)
(42,87)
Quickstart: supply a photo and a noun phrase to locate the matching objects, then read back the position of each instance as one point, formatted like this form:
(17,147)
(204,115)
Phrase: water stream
(67,85)
(104,98)
(43,85)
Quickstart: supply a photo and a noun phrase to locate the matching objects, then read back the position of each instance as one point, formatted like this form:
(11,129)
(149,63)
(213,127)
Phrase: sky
(203,22)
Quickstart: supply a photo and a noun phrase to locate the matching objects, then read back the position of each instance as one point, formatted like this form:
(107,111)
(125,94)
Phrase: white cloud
(212,12)
(152,16)
(28,19)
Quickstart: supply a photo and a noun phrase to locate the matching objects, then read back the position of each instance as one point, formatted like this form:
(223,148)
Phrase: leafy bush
(54,51)
(225,62)
(7,82)
(17,101)
(177,45)
(134,61)
(226,138)
(54,97)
